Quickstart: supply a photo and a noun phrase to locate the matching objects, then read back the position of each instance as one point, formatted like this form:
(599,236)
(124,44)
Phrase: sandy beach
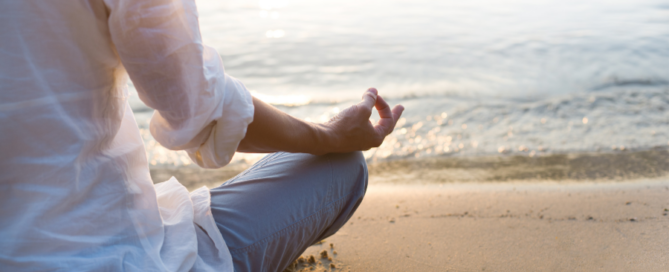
(577,212)
(620,226)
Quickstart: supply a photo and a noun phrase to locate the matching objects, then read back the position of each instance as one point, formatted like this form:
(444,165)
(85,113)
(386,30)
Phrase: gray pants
(272,212)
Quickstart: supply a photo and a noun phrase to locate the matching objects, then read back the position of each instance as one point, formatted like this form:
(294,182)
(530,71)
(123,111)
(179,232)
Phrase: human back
(72,166)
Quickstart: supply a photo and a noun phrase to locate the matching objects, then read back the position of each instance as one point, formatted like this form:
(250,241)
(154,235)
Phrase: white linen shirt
(75,189)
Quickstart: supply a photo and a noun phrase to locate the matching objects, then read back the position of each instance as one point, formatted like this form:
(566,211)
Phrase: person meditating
(75,189)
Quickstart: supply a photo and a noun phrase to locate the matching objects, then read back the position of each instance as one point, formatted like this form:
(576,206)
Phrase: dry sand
(621,226)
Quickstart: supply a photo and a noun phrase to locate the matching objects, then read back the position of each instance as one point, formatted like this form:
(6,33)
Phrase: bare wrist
(325,140)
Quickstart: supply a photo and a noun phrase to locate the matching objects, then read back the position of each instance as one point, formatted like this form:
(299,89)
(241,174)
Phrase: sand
(585,226)
(575,212)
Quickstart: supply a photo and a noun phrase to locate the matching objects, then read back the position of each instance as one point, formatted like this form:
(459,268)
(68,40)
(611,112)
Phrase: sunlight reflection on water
(476,77)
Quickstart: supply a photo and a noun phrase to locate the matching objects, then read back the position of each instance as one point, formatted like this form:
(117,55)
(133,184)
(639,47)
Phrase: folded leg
(269,214)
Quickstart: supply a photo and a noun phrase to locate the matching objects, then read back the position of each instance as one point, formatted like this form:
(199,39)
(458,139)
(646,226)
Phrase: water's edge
(571,167)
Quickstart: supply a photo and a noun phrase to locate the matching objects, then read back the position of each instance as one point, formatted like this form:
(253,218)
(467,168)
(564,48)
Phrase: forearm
(273,130)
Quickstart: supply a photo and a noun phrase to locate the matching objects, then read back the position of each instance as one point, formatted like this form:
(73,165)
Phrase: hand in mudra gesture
(352,130)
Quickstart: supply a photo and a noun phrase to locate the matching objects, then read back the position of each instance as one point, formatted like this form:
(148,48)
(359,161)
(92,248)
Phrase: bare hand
(352,130)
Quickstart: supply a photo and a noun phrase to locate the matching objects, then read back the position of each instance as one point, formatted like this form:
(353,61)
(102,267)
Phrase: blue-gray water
(476,77)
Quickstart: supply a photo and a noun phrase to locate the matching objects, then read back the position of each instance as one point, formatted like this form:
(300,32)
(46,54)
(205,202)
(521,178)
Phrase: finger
(386,125)
(397,112)
(383,108)
(368,99)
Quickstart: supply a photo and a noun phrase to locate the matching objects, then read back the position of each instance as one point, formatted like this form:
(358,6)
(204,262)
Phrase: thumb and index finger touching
(388,116)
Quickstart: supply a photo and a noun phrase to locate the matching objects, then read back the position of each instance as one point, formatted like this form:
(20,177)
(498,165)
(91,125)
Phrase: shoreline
(602,167)
(559,167)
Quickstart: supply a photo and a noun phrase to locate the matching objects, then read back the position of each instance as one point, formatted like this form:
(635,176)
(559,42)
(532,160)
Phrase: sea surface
(477,78)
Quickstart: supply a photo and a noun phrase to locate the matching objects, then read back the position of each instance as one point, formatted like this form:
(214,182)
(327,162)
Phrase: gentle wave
(614,120)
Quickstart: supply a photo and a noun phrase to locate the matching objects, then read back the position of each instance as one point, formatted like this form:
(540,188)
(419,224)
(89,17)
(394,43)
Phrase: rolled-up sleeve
(199,108)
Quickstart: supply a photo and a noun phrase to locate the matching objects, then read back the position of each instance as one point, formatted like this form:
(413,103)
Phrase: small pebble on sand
(332,265)
(324,254)
(334,252)
(633,219)
(392,220)
(331,245)
(311,259)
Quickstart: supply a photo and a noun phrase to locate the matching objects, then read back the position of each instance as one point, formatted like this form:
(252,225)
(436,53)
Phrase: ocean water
(477,78)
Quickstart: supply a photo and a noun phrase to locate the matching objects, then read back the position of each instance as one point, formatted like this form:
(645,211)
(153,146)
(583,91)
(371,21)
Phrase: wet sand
(575,167)
(621,226)
(581,167)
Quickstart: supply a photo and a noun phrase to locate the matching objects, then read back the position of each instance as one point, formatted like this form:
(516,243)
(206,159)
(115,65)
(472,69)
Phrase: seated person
(75,189)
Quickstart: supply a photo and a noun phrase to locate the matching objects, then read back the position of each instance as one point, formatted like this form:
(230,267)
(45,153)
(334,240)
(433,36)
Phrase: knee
(351,171)
(360,165)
